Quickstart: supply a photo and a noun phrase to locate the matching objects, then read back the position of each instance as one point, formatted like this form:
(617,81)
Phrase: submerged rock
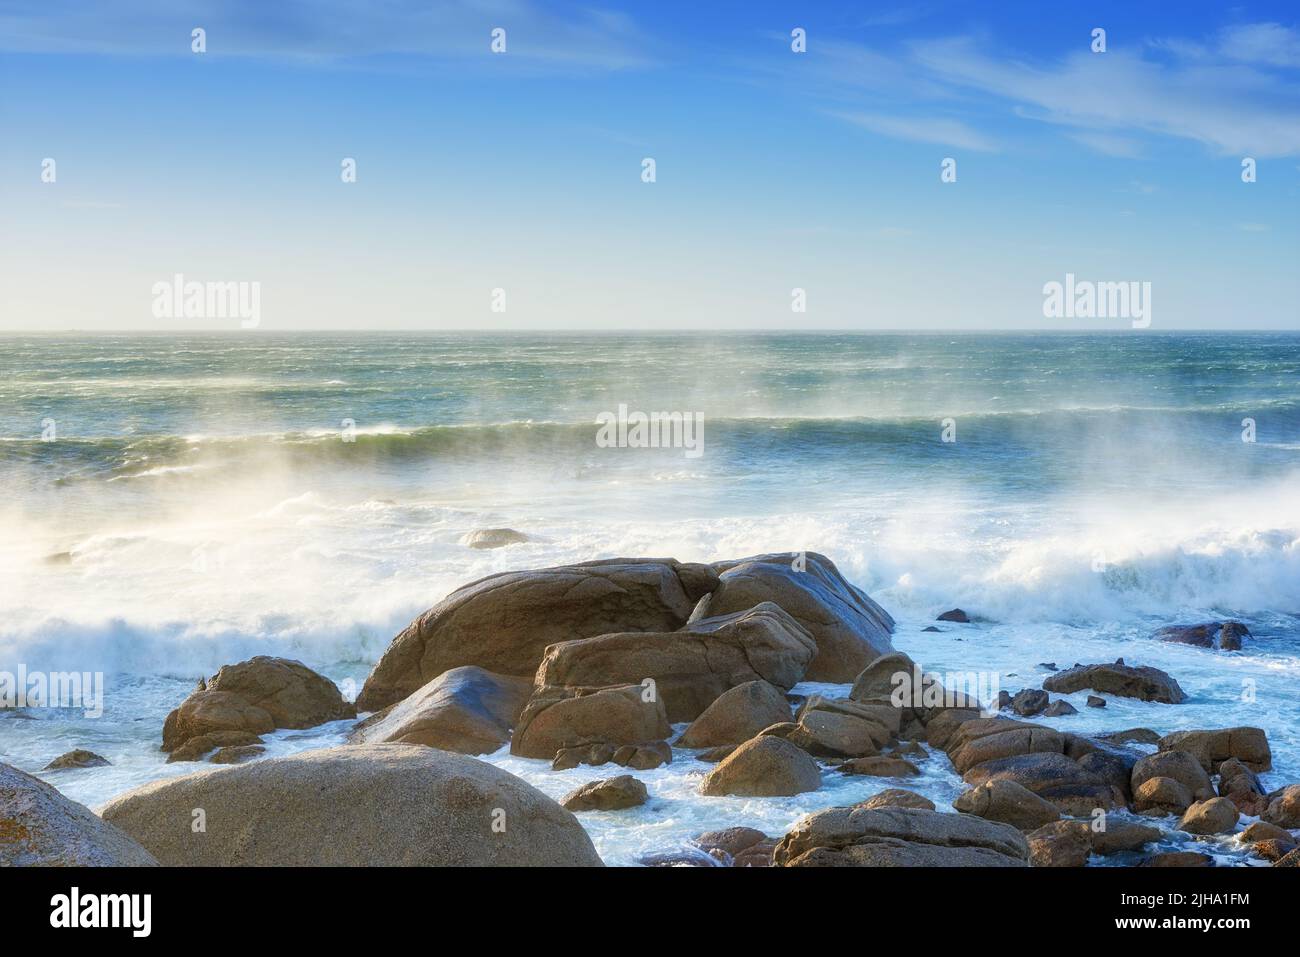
(503,623)
(494,538)
(354,805)
(467,710)
(1145,684)
(77,758)
(39,827)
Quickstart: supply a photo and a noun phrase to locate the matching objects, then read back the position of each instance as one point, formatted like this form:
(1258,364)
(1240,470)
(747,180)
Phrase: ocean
(179,502)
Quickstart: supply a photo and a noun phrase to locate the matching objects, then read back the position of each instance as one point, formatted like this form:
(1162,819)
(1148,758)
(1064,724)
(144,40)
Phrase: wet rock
(256,696)
(883,677)
(842,728)
(899,837)
(1047,665)
(466,710)
(1029,702)
(896,797)
(1016,740)
(765,766)
(1162,796)
(1241,786)
(757,855)
(1060,844)
(714,755)
(1009,803)
(1284,807)
(1290,859)
(493,538)
(881,767)
(1123,836)
(236,753)
(1182,766)
(1131,736)
(195,748)
(955,614)
(730,841)
(1145,684)
(1114,767)
(1273,850)
(1095,702)
(1177,859)
(1212,748)
(1215,816)
(931,628)
(690,668)
(849,629)
(1225,636)
(1263,831)
(1059,709)
(610,794)
(39,827)
(560,718)
(737,715)
(504,623)
(354,805)
(78,758)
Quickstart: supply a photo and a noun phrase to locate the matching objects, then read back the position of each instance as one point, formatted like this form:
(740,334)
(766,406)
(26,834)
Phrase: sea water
(176,503)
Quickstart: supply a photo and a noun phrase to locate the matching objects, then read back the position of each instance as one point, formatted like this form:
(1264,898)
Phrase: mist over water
(200,504)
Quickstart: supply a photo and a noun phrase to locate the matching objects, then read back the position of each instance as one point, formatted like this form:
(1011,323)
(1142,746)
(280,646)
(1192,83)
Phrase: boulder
(883,677)
(1263,831)
(78,758)
(737,715)
(1212,748)
(756,855)
(1017,739)
(1008,803)
(1241,786)
(467,710)
(1130,736)
(842,728)
(899,837)
(1182,766)
(881,767)
(765,766)
(956,614)
(354,805)
(729,841)
(1059,709)
(849,629)
(1162,796)
(1145,684)
(1290,859)
(611,794)
(558,718)
(39,827)
(256,696)
(503,623)
(1123,836)
(236,753)
(1273,850)
(1225,636)
(1284,807)
(691,668)
(1029,702)
(1042,772)
(493,538)
(195,748)
(1060,844)
(639,757)
(1113,767)
(1215,816)
(896,797)
(1095,702)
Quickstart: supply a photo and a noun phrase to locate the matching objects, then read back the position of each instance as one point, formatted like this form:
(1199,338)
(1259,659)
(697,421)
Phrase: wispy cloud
(944,132)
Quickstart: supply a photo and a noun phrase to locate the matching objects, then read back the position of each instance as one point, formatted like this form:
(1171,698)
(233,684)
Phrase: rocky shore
(592,665)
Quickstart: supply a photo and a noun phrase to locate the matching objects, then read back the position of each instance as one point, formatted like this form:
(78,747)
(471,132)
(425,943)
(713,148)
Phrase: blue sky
(522,171)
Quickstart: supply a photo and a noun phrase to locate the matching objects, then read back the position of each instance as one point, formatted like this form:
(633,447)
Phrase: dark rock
(956,615)
(1029,702)
(1059,709)
(1095,702)
(610,794)
(77,758)
(1145,684)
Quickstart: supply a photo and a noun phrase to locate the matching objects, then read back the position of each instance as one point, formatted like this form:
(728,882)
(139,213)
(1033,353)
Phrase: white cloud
(1268,43)
(940,130)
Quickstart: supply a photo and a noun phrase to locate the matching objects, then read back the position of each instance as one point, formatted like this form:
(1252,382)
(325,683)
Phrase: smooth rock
(737,715)
(1145,684)
(899,837)
(77,758)
(765,766)
(1009,803)
(610,794)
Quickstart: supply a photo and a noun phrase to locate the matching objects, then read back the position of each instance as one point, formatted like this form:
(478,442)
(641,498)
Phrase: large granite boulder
(737,715)
(843,728)
(557,719)
(766,766)
(1284,807)
(899,837)
(1214,816)
(1145,684)
(1181,766)
(1060,844)
(1007,802)
(466,709)
(504,623)
(39,827)
(354,805)
(256,696)
(1212,748)
(692,667)
(849,628)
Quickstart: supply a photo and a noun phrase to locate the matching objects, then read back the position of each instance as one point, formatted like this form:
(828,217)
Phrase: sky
(522,171)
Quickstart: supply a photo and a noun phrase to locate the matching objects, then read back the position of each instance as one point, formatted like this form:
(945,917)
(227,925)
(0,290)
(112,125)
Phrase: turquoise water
(209,497)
